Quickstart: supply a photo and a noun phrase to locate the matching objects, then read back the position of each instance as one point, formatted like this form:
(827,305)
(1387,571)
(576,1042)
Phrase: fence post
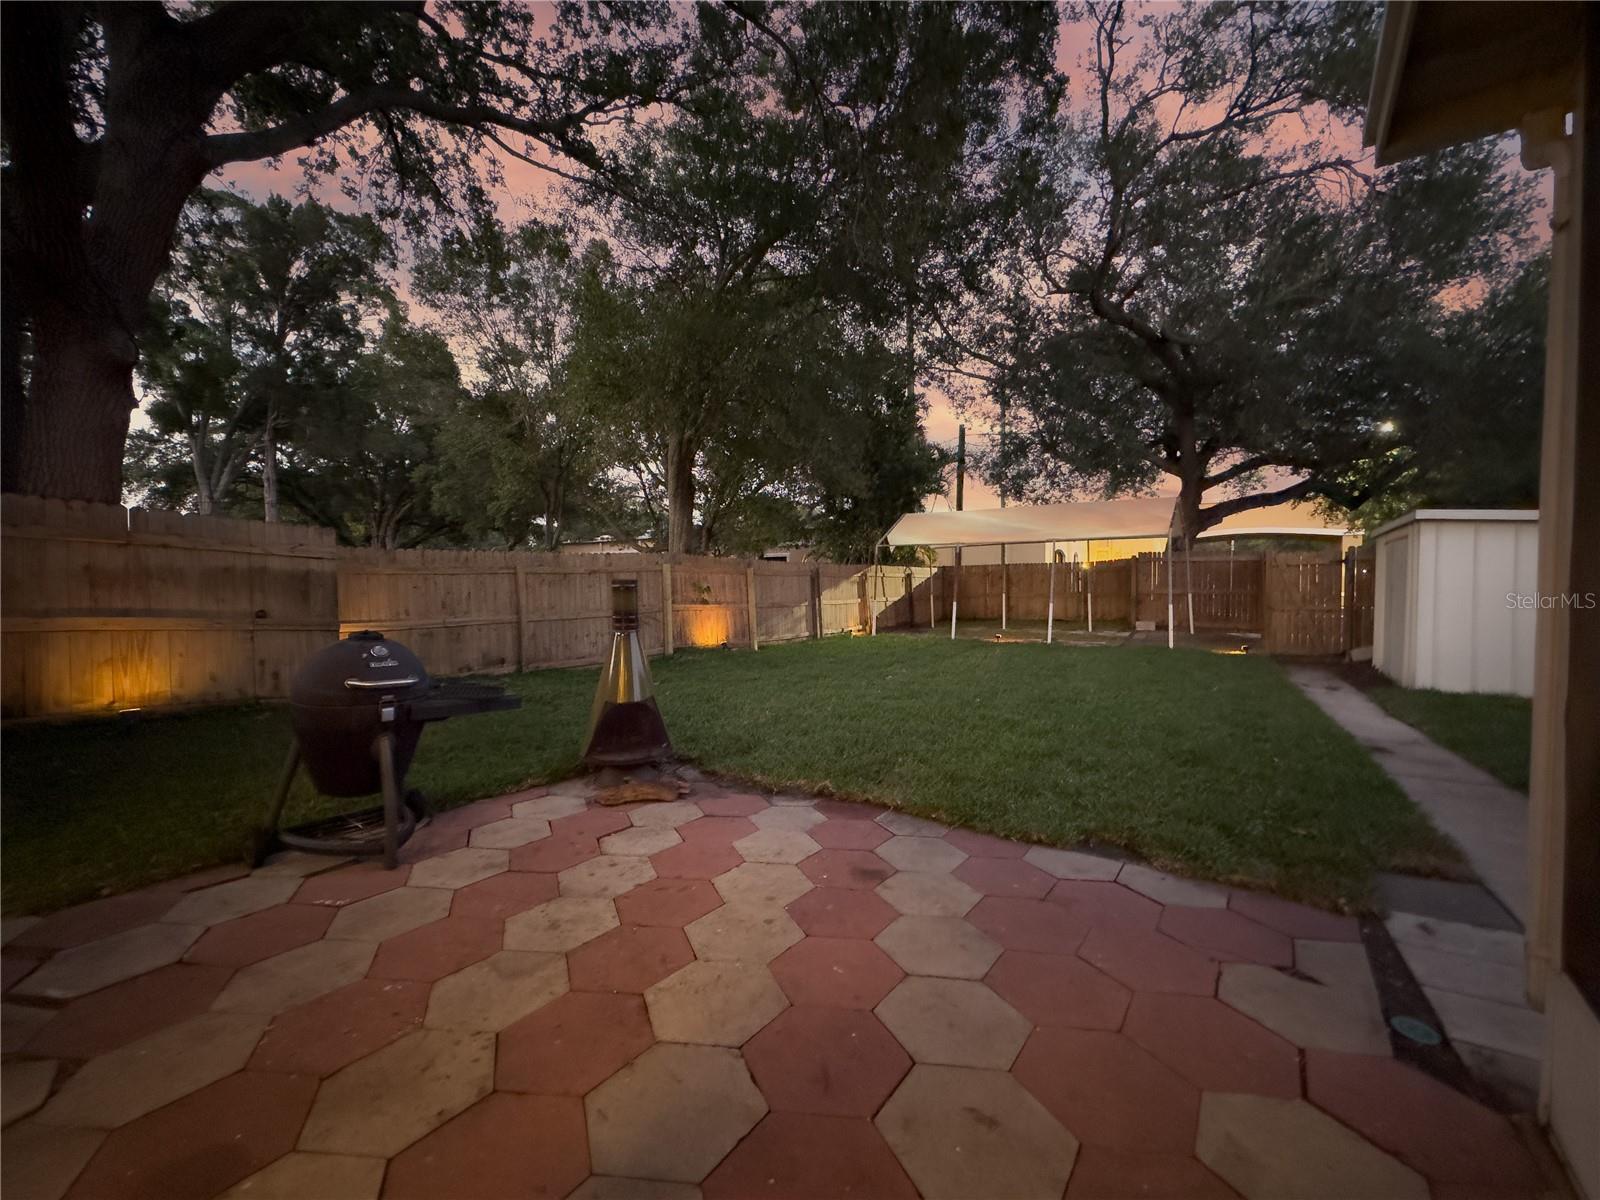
(816,603)
(522,617)
(668,633)
(750,597)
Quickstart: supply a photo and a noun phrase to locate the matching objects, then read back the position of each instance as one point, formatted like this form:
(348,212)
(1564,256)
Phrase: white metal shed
(1455,599)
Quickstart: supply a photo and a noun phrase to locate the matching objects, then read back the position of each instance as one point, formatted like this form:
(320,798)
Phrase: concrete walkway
(732,995)
(1468,958)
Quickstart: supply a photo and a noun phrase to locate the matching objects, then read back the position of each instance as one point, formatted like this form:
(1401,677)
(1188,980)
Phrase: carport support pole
(1169,591)
(1188,580)
(1050,607)
(955,595)
(1088,591)
(1003,578)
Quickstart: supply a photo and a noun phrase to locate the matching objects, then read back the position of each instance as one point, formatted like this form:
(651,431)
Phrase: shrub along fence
(107,609)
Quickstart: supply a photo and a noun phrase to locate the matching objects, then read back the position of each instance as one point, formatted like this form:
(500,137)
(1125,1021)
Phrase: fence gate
(1303,608)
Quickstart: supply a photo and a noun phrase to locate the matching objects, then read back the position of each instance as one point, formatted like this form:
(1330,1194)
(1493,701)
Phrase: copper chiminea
(625,726)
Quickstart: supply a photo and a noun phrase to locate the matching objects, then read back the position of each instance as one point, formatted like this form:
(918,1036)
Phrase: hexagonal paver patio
(728,995)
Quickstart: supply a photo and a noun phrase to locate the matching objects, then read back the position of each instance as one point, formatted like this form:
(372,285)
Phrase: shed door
(1396,605)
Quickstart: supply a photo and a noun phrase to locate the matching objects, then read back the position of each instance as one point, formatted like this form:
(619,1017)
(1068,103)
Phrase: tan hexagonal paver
(961,1133)
(931,854)
(714,1003)
(946,946)
(924,894)
(43,1160)
(562,924)
(1070,864)
(227,901)
(1171,889)
(549,808)
(509,833)
(298,1175)
(1311,1015)
(95,965)
(605,876)
(641,841)
(665,816)
(776,846)
(295,976)
(769,884)
(154,1071)
(673,1113)
(610,1187)
(795,818)
(954,1022)
(743,932)
(1267,1148)
(390,913)
(458,868)
(491,994)
(905,823)
(382,1103)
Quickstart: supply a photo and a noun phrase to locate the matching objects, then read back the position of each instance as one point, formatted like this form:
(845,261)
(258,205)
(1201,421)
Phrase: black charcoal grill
(359,707)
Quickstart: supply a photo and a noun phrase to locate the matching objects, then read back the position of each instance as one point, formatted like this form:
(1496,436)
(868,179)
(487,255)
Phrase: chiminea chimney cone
(625,726)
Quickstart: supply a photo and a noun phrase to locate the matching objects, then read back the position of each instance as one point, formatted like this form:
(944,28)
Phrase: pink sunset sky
(528,191)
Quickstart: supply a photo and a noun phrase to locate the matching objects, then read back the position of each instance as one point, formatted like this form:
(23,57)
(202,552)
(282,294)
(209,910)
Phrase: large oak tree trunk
(680,494)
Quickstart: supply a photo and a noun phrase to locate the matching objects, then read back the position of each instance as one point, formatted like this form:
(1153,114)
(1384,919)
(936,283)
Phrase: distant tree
(1208,286)
(523,450)
(364,461)
(113,115)
(256,321)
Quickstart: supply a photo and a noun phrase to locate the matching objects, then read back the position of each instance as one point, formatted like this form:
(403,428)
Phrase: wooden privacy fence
(107,609)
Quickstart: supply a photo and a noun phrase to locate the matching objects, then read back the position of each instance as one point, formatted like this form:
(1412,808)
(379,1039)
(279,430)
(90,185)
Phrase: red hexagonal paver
(434,839)
(573,1044)
(1434,1128)
(842,913)
(669,902)
(114,1016)
(857,870)
(594,823)
(717,831)
(848,810)
(1050,989)
(437,949)
(350,884)
(320,1037)
(628,959)
(983,845)
(798,1156)
(1106,903)
(1149,962)
(469,816)
(838,1062)
(504,1146)
(1035,925)
(1005,877)
(1214,1047)
(504,895)
(696,860)
(202,1144)
(739,804)
(849,834)
(262,934)
(555,853)
(1295,920)
(1102,1173)
(1109,1092)
(1227,935)
(14,968)
(835,972)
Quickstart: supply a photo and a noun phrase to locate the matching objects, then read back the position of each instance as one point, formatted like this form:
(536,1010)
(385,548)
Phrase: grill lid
(358,672)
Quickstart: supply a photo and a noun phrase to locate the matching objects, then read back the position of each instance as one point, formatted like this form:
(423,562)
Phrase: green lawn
(1494,732)
(1210,764)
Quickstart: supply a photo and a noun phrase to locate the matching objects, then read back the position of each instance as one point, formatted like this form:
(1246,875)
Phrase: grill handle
(375,684)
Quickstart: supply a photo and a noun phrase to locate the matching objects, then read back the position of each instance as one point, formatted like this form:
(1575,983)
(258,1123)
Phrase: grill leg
(391,802)
(268,833)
